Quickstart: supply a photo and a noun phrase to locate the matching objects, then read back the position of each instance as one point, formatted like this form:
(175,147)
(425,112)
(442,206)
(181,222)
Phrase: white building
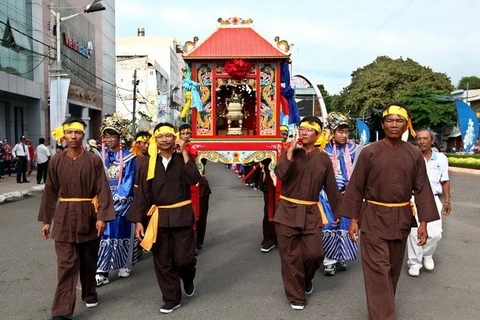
(164,51)
(152,83)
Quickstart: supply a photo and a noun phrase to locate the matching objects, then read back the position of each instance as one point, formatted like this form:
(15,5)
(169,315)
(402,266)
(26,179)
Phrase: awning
(454,134)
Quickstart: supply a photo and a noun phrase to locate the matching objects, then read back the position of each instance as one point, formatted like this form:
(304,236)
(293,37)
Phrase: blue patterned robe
(336,244)
(117,245)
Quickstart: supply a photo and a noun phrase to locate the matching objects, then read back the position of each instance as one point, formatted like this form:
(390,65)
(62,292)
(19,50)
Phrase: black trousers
(8,167)
(21,169)
(42,171)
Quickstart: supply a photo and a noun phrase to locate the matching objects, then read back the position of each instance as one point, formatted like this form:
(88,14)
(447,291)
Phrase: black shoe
(169,307)
(297,305)
(199,246)
(267,248)
(19,182)
(309,288)
(92,303)
(341,266)
(26,181)
(189,289)
(62,318)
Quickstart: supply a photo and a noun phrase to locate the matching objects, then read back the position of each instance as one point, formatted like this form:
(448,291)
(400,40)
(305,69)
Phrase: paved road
(235,280)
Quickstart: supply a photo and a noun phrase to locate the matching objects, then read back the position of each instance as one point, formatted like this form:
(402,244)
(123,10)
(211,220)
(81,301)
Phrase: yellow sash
(151,232)
(395,205)
(94,201)
(309,203)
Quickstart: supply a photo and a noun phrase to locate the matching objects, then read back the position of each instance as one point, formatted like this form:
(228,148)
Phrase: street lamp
(94,6)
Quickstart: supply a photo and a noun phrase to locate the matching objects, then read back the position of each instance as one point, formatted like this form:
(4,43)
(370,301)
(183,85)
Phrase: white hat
(92,143)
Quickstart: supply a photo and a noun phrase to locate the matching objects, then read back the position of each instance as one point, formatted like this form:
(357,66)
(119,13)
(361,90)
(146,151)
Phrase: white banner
(58,100)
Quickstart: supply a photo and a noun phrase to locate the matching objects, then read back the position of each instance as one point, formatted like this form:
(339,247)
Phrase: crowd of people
(110,206)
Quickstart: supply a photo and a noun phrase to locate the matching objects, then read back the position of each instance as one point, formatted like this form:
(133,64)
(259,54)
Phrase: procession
(248,192)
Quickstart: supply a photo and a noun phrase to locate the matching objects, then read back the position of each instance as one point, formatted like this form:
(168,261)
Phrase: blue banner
(363,131)
(468,121)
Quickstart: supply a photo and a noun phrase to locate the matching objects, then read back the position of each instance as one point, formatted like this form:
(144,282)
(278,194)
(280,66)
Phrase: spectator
(42,157)
(7,157)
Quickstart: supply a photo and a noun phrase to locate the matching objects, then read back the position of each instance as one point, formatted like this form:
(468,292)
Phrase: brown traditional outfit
(268,227)
(298,226)
(387,176)
(75,183)
(174,247)
(205,193)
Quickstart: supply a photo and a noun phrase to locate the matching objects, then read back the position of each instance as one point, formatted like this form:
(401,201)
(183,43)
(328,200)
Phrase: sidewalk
(10,190)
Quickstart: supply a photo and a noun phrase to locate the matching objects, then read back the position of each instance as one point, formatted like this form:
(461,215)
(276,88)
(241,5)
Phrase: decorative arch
(300,81)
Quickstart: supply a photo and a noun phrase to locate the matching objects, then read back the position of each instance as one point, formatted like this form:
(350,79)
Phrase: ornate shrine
(233,78)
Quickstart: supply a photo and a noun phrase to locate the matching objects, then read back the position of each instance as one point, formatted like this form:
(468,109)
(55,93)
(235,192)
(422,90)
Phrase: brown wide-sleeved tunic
(83,177)
(304,181)
(168,187)
(389,175)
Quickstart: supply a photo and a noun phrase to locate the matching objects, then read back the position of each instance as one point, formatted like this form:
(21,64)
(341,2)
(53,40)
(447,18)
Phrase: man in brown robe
(75,180)
(377,200)
(164,194)
(299,217)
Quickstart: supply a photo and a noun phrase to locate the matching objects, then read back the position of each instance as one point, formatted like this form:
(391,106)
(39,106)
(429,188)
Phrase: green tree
(385,80)
(472,82)
(429,112)
(333,102)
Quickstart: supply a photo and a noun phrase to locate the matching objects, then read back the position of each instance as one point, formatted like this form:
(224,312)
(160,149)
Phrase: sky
(330,38)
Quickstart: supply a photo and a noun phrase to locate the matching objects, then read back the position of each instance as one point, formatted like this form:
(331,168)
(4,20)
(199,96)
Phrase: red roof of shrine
(234,41)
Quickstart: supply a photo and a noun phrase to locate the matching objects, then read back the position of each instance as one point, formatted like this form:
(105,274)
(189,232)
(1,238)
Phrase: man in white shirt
(42,156)
(437,170)
(21,155)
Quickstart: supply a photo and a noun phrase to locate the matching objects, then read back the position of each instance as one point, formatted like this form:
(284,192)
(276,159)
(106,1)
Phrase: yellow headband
(403,113)
(142,139)
(312,125)
(284,128)
(59,132)
(153,149)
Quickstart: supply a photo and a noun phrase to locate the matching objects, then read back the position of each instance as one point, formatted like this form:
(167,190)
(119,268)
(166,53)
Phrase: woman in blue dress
(118,244)
(336,244)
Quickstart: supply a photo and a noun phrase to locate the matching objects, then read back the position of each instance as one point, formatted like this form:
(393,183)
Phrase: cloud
(331,39)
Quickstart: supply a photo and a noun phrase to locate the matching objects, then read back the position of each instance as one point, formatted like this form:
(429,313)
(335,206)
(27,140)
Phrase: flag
(469,126)
(58,100)
(363,131)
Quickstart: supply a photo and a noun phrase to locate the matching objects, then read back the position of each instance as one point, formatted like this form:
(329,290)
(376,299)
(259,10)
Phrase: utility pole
(135,83)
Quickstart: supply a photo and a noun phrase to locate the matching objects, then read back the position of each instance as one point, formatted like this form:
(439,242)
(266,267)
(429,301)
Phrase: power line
(38,65)
(366,38)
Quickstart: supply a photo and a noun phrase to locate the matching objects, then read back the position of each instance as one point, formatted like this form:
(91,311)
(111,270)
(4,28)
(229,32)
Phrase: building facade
(166,53)
(23,66)
(27,60)
(150,100)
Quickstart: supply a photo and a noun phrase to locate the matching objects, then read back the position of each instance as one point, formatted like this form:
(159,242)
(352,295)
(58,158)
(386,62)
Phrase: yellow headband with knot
(139,139)
(323,139)
(59,132)
(153,149)
(311,125)
(403,113)
(284,128)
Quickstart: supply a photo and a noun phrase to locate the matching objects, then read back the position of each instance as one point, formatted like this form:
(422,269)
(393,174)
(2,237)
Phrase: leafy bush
(464,162)
(463,156)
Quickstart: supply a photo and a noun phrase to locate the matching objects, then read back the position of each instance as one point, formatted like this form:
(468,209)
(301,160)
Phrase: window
(151,73)
(14,38)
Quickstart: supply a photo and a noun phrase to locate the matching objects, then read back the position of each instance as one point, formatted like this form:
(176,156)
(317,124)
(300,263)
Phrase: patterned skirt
(336,244)
(118,245)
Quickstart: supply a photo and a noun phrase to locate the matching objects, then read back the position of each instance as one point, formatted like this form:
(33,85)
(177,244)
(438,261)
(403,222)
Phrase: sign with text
(85,50)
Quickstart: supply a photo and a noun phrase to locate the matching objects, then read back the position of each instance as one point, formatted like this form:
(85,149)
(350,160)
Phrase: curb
(20,194)
(464,170)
